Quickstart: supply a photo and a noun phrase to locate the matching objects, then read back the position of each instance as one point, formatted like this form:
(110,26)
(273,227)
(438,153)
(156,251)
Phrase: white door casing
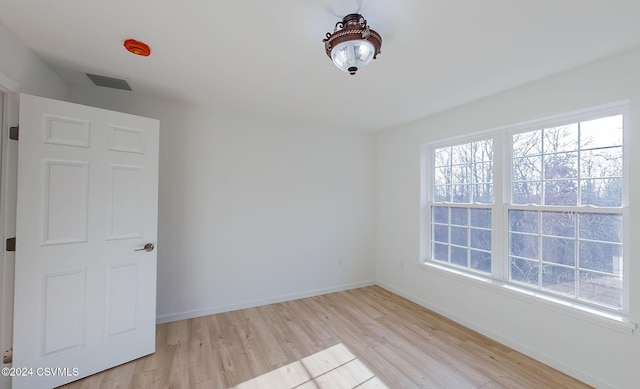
(9,172)
(87,198)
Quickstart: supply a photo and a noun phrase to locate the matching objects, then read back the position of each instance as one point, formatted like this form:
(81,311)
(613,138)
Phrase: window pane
(460,153)
(602,192)
(460,174)
(482,151)
(442,176)
(459,236)
(481,217)
(482,193)
(523,221)
(559,279)
(527,143)
(481,261)
(459,216)
(460,193)
(601,132)
(441,193)
(601,163)
(561,138)
(524,271)
(482,172)
(441,252)
(527,193)
(559,224)
(601,226)
(604,257)
(441,233)
(526,169)
(559,250)
(459,256)
(481,239)
(561,192)
(523,245)
(443,156)
(440,214)
(601,288)
(561,165)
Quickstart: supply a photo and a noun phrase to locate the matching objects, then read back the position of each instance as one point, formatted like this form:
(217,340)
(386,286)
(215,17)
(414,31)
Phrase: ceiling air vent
(109,82)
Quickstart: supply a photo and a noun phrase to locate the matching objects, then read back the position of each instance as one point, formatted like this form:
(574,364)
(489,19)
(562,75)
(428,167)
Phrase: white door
(85,299)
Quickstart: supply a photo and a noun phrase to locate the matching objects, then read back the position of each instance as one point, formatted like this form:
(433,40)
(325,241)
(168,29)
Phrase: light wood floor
(365,338)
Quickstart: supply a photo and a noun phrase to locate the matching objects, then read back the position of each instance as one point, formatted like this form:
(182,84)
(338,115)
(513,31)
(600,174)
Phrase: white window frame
(502,143)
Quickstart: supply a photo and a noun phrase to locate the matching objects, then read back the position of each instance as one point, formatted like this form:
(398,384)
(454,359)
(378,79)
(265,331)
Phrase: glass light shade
(350,56)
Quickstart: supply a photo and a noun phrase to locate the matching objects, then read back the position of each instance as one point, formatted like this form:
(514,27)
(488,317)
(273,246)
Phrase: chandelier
(353,45)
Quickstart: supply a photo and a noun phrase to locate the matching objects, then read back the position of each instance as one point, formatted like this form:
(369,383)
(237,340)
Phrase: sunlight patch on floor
(333,367)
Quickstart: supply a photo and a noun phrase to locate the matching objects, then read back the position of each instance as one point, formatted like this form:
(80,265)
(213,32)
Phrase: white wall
(253,209)
(31,74)
(597,354)
(20,71)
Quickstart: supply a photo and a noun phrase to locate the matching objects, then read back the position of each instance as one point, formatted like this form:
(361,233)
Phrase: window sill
(604,319)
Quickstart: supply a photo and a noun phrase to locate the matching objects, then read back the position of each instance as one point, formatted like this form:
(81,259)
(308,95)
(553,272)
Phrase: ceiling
(268,57)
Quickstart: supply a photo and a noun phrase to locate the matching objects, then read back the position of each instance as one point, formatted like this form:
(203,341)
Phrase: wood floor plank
(264,341)
(292,345)
(178,368)
(430,346)
(219,330)
(120,377)
(177,332)
(349,375)
(91,382)
(374,383)
(200,352)
(367,337)
(390,374)
(419,376)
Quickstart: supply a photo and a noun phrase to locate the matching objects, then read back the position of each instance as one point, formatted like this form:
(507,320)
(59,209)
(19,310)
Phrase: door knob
(147,247)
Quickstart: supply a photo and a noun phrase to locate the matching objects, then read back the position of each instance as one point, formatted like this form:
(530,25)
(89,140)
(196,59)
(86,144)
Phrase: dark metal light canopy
(353,45)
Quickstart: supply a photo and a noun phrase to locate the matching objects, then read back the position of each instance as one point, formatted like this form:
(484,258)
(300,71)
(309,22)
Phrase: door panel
(64,328)
(65,215)
(124,202)
(87,200)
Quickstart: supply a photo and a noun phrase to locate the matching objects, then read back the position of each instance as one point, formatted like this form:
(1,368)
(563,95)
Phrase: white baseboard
(579,375)
(256,303)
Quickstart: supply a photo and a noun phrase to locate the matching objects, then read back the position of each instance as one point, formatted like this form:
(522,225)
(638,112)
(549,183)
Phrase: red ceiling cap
(137,48)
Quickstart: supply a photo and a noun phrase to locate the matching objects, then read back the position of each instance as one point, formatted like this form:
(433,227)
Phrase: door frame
(8,86)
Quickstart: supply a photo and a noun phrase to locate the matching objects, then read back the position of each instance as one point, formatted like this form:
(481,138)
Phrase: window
(461,232)
(547,215)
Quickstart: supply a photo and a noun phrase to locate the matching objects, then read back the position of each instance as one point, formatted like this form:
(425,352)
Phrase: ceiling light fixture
(353,45)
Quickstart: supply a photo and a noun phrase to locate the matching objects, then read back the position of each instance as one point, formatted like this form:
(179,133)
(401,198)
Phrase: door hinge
(14,132)
(10,245)
(7,357)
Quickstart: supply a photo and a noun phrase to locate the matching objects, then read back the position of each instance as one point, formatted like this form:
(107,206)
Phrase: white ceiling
(268,56)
